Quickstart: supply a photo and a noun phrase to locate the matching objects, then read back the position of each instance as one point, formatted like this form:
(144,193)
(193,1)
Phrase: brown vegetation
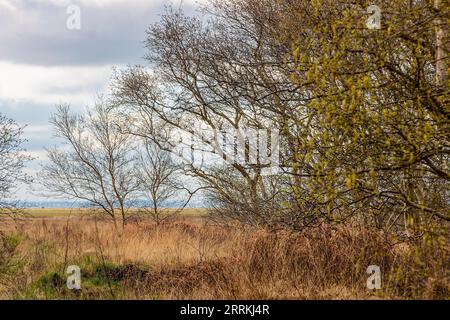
(196,260)
(358,120)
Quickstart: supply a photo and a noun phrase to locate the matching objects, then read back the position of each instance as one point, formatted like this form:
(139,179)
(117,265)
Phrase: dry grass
(77,212)
(189,259)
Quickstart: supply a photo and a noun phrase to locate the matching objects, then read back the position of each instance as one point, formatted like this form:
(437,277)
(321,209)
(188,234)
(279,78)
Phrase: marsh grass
(192,259)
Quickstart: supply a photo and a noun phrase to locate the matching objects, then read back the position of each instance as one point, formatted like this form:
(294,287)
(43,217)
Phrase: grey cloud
(35,117)
(26,112)
(35,33)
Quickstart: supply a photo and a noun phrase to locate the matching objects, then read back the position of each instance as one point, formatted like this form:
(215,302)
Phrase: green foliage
(364,113)
(8,248)
(97,282)
(379,120)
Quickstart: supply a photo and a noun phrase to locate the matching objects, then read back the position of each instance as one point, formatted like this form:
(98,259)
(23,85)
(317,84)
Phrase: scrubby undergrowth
(185,260)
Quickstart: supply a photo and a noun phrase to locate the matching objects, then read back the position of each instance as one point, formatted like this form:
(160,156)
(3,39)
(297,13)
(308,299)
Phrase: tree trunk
(441,46)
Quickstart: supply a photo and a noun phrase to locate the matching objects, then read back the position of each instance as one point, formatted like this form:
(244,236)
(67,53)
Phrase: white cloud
(36,129)
(43,64)
(53,85)
(7,4)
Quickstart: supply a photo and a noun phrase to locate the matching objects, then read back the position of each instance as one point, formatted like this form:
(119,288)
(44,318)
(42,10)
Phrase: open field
(190,258)
(77,212)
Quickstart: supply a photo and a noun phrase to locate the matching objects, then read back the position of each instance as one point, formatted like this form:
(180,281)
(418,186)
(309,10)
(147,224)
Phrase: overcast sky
(43,63)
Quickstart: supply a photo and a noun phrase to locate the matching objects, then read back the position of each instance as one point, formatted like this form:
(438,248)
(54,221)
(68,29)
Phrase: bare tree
(160,182)
(97,165)
(12,162)
(209,79)
(366,125)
